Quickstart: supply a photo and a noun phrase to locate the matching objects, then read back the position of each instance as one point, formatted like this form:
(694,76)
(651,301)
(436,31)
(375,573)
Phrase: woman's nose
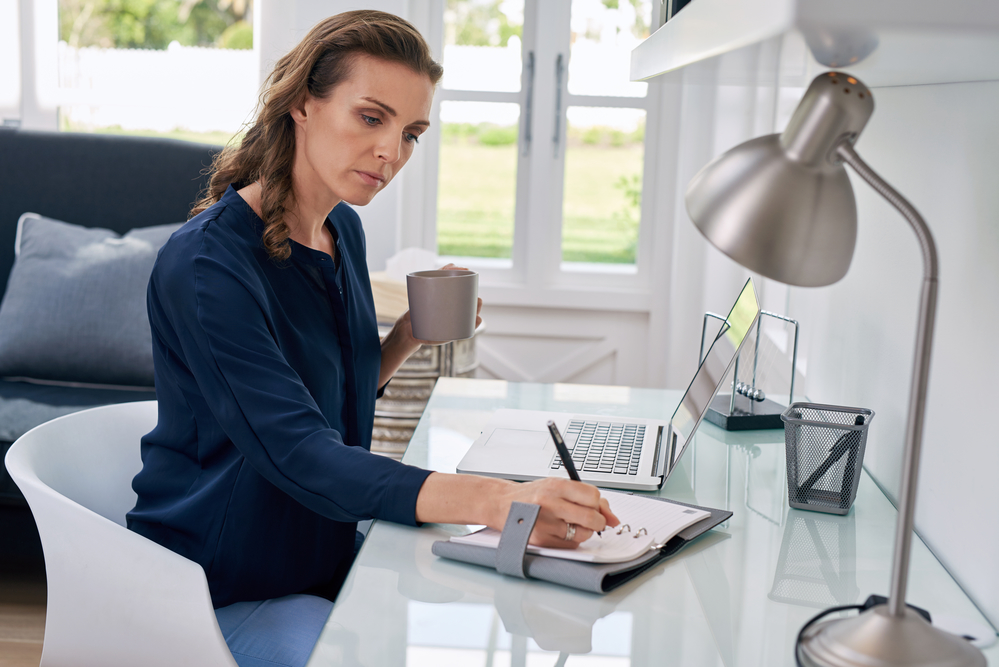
(389,148)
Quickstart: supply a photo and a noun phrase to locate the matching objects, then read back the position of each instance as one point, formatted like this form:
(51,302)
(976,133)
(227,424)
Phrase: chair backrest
(115,598)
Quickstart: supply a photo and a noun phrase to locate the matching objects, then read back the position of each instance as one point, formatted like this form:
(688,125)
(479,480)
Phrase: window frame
(535,275)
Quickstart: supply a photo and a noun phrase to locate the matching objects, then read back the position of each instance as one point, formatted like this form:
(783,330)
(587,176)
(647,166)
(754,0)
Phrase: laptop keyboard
(605,447)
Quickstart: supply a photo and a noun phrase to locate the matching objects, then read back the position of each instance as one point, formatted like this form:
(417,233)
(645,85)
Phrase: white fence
(181,87)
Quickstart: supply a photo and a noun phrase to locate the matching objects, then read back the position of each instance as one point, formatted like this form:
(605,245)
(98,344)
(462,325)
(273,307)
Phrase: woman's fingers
(582,495)
(605,509)
(584,517)
(552,534)
(564,502)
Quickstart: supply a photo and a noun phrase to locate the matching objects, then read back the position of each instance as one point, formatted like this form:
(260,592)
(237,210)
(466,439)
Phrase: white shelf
(882,42)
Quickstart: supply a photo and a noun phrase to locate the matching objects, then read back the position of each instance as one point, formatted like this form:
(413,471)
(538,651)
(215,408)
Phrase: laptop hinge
(672,449)
(660,458)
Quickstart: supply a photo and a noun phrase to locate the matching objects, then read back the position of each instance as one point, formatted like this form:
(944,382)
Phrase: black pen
(563,452)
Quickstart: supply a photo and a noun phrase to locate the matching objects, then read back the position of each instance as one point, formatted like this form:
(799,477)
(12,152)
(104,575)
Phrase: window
(480,114)
(605,134)
(130,67)
(542,159)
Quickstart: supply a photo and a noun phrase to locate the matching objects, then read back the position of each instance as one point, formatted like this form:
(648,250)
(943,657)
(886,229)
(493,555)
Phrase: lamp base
(749,415)
(877,639)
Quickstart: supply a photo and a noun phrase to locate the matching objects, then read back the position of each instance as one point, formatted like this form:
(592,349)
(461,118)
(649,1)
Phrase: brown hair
(314,67)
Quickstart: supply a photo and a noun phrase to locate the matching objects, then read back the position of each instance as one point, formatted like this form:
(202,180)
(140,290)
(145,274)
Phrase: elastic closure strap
(513,542)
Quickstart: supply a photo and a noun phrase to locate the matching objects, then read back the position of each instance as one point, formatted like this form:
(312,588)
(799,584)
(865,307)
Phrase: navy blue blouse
(266,376)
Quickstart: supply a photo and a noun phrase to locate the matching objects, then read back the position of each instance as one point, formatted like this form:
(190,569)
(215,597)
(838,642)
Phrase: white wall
(937,145)
(711,119)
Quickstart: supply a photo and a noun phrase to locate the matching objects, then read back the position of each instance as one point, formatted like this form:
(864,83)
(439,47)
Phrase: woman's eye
(411,138)
(370,120)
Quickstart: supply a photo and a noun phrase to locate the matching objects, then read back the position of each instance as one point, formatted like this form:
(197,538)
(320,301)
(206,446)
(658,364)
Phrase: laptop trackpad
(508,437)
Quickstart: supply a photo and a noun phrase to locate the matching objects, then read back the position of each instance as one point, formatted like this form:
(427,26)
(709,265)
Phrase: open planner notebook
(600,564)
(646,523)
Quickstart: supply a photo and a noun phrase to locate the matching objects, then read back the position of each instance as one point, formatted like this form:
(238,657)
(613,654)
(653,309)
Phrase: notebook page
(661,522)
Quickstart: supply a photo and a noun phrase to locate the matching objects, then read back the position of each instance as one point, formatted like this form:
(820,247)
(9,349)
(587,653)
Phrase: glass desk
(736,596)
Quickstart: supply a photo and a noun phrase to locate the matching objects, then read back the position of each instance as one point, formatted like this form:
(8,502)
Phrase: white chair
(115,598)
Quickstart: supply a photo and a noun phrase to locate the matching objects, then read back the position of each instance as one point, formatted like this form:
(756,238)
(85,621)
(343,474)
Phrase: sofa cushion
(25,405)
(75,306)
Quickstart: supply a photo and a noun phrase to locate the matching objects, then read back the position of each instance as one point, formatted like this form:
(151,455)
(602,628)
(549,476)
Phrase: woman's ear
(299,112)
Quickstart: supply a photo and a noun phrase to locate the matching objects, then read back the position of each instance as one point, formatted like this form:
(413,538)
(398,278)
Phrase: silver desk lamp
(782,206)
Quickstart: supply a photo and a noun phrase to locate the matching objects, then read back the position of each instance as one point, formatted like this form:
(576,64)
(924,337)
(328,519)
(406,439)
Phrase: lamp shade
(782,205)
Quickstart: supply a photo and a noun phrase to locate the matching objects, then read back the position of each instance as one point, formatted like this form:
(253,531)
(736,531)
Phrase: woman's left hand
(405,325)
(400,343)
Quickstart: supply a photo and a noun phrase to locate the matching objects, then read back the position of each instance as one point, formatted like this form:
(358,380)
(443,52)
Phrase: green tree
(628,215)
(153,24)
(479,23)
(641,27)
(631,187)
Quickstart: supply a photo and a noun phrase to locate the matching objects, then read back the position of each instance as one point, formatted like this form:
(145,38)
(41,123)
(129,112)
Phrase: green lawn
(475,199)
(475,202)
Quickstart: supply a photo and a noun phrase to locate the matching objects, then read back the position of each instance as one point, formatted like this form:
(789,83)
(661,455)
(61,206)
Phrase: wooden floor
(22,616)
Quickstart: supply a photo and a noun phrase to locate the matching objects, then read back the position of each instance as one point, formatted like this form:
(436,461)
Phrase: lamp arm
(920,375)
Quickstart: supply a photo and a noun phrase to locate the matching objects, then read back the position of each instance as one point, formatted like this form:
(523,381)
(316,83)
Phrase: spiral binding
(624,527)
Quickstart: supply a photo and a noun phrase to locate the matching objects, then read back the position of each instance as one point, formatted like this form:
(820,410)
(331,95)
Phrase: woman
(266,350)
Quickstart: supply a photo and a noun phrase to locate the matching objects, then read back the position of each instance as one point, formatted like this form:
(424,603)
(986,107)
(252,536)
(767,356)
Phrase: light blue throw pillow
(75,306)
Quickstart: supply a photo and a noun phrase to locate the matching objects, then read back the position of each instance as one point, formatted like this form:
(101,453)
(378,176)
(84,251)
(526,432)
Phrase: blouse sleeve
(259,400)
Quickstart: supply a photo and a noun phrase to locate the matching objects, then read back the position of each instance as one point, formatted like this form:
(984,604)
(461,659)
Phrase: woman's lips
(371,178)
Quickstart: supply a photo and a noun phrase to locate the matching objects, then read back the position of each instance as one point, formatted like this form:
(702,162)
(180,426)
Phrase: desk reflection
(817,565)
(500,619)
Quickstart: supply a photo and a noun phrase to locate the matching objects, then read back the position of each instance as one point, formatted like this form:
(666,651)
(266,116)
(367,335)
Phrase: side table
(399,409)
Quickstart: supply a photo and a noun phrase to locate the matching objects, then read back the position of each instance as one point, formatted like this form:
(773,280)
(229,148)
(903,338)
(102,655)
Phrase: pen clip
(563,452)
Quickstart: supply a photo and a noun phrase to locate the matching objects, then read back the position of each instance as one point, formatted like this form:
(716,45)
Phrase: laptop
(612,452)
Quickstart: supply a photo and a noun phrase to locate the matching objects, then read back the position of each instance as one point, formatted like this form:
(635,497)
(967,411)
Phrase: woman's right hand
(470,499)
(562,502)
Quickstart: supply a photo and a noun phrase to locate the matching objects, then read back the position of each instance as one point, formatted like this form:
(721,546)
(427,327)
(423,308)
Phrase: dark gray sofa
(112,182)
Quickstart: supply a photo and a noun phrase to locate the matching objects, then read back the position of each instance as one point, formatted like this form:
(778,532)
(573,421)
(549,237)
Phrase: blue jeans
(275,632)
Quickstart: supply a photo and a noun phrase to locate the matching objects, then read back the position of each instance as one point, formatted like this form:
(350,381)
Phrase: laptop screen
(712,372)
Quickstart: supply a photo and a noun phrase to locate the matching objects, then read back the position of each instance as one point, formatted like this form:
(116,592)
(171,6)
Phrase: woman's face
(350,144)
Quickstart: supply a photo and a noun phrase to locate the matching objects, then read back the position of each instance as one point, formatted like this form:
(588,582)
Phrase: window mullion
(525,144)
(539,227)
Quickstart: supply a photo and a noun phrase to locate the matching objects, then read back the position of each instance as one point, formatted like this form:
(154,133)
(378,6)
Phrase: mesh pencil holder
(825,451)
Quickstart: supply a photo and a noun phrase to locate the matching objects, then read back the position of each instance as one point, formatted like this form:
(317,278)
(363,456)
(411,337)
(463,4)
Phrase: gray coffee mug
(443,304)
